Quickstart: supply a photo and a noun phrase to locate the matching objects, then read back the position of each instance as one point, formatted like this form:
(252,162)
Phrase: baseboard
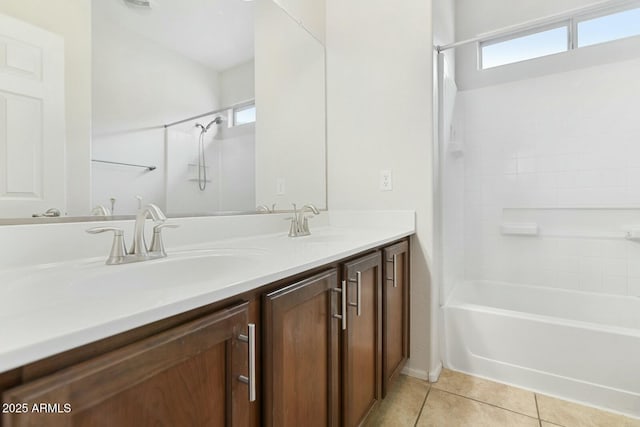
(435,374)
(416,373)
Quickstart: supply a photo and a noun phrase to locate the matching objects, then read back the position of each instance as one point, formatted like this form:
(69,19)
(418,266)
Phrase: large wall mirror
(199,106)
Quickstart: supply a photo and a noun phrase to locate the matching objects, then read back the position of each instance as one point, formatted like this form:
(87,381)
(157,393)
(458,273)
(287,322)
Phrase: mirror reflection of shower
(202,161)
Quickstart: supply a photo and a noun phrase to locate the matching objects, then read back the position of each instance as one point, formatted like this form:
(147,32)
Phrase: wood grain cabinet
(395,312)
(362,339)
(301,354)
(186,376)
(320,349)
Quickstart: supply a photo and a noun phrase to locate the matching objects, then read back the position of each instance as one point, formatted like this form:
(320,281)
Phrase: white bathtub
(577,346)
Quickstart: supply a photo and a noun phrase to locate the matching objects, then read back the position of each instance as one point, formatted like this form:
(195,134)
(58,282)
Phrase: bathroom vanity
(312,334)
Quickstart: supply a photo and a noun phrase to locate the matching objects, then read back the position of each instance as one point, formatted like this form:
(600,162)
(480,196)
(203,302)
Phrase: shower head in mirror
(216,121)
(143,4)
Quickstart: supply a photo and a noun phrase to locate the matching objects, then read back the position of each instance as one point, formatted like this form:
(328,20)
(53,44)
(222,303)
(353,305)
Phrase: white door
(32,119)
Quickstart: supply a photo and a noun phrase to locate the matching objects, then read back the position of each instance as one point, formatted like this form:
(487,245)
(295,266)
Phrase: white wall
(237,168)
(238,84)
(290,102)
(71,19)
(561,151)
(379,82)
(311,13)
(238,144)
(138,86)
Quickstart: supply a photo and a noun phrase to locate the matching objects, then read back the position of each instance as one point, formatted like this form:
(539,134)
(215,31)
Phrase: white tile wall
(563,151)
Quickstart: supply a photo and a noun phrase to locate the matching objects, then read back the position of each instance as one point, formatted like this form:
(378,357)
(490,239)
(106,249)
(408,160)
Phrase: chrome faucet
(266,209)
(50,213)
(300,222)
(139,250)
(100,210)
(139,246)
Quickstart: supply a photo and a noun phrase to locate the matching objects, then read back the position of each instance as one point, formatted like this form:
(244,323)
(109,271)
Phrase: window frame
(570,23)
(576,20)
(540,29)
(239,108)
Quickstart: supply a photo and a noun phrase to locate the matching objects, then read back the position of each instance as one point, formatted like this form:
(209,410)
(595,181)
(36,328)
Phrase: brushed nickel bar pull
(395,270)
(342,316)
(359,293)
(344,305)
(251,379)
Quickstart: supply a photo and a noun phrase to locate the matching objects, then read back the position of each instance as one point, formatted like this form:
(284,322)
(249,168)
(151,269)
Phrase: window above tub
(613,26)
(244,115)
(572,33)
(532,45)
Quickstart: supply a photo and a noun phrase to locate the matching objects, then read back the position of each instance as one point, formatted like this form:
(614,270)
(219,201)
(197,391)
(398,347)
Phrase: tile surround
(522,151)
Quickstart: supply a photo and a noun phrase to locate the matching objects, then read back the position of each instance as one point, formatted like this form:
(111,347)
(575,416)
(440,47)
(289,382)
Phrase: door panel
(32,119)
(301,353)
(184,376)
(395,311)
(362,341)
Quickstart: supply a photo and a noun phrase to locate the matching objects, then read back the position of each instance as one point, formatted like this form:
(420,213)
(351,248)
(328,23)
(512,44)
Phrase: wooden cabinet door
(301,353)
(186,376)
(395,312)
(362,339)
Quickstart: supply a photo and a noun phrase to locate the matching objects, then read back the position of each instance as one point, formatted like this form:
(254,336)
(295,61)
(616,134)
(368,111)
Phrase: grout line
(535,396)
(487,403)
(424,402)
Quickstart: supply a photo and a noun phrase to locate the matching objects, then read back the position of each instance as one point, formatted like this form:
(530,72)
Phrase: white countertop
(48,308)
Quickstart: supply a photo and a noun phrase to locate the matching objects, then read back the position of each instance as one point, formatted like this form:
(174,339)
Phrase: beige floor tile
(570,414)
(501,395)
(402,405)
(546,424)
(444,409)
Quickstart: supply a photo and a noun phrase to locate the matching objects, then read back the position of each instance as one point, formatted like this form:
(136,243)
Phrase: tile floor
(458,400)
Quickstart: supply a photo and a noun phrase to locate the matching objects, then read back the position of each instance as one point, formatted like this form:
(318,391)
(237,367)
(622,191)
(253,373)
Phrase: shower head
(144,4)
(216,121)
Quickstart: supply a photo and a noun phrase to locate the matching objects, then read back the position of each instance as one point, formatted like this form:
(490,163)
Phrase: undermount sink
(178,269)
(94,279)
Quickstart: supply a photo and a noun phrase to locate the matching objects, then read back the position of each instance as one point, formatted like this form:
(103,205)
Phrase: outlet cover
(386,180)
(280,187)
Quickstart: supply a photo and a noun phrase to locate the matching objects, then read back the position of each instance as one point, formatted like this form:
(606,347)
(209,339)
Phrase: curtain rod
(220,110)
(534,23)
(149,168)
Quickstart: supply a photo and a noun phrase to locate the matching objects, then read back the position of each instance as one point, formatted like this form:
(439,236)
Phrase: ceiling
(217,33)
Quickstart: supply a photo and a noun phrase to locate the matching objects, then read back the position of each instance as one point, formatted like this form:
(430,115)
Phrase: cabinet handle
(395,270)
(358,303)
(251,380)
(343,295)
